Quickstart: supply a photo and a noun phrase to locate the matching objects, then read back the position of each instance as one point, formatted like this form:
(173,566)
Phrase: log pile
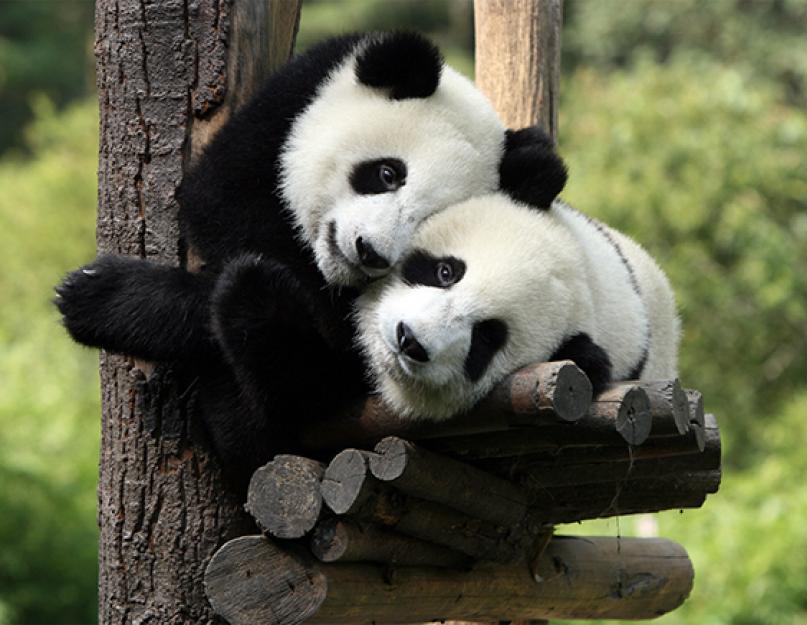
(415,520)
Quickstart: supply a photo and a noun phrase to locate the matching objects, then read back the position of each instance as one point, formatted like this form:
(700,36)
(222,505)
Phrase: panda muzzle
(369,257)
(409,345)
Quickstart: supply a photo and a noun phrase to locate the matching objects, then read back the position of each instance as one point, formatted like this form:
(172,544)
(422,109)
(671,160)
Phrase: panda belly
(615,318)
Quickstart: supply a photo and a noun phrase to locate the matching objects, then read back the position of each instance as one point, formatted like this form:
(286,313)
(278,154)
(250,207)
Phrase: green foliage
(764,37)
(749,541)
(706,169)
(44,48)
(48,387)
(447,22)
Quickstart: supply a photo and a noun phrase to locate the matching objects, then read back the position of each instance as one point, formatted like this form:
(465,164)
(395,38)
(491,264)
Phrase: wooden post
(166,81)
(349,488)
(518,59)
(346,540)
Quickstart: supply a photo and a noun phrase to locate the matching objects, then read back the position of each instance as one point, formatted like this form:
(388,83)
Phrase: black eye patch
(382,175)
(487,338)
(422,269)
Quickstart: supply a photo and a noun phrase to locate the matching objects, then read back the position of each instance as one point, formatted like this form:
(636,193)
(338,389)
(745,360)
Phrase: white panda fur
(548,275)
(452,143)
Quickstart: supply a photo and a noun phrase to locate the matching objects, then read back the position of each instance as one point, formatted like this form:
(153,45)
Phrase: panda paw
(86,299)
(531,171)
(254,297)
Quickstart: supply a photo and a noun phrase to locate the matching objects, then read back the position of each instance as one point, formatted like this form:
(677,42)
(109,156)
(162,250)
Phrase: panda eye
(421,268)
(383,175)
(444,273)
(388,176)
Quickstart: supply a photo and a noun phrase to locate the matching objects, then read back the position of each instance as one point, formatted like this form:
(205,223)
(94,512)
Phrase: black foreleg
(589,356)
(138,308)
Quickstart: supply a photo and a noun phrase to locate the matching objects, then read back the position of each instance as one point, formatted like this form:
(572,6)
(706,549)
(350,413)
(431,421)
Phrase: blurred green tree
(44,48)
(49,396)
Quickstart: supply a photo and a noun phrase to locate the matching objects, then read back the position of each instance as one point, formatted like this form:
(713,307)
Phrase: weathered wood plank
(348,487)
(346,540)
(620,415)
(284,496)
(540,394)
(658,457)
(593,501)
(443,480)
(669,407)
(624,407)
(251,580)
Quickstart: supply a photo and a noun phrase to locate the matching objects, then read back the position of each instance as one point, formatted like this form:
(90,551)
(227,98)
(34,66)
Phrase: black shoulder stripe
(637,371)
(618,249)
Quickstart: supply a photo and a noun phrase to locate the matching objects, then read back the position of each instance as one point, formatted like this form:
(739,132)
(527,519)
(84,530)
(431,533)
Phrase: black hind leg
(265,321)
(278,336)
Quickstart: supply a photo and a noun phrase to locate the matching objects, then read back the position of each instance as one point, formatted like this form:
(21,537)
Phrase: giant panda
(310,190)
(492,285)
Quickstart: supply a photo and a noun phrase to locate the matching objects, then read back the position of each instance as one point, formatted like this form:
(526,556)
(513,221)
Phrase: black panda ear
(531,171)
(405,62)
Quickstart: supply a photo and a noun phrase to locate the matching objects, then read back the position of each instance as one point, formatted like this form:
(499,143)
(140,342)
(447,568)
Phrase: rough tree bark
(166,79)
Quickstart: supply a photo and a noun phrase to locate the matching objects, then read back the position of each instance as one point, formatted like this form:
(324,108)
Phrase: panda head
(391,137)
(488,288)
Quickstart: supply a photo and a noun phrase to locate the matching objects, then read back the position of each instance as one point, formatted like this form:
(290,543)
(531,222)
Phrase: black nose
(369,257)
(409,344)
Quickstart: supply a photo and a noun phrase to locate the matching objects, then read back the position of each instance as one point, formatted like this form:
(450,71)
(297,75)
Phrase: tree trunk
(166,82)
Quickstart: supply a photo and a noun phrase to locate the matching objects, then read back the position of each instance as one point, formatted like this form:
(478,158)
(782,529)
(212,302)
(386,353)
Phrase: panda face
(361,170)
(487,290)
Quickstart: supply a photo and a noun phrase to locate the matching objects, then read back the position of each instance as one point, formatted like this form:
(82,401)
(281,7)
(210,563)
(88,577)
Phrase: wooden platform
(417,521)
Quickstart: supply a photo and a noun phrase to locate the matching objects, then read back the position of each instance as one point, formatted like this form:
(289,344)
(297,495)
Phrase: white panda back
(619,317)
(659,302)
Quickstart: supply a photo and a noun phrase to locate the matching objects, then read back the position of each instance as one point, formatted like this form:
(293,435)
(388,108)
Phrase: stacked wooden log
(415,520)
